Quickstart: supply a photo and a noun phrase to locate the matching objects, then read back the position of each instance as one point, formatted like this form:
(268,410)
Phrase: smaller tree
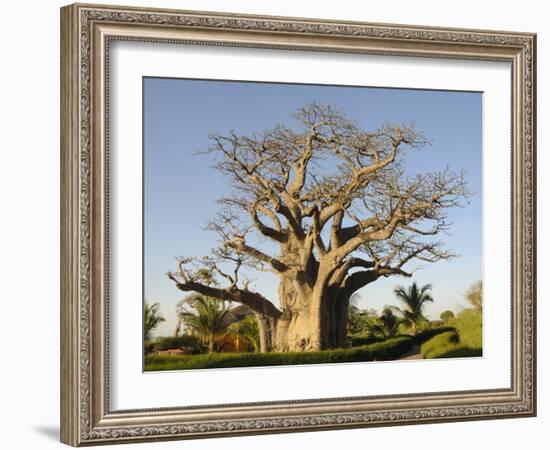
(248,329)
(474,295)
(360,320)
(414,299)
(447,316)
(205,317)
(363,322)
(388,323)
(151,319)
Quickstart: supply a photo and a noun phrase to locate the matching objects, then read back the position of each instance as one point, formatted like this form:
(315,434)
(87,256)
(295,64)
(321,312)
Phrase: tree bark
(298,328)
(341,308)
(266,326)
(313,313)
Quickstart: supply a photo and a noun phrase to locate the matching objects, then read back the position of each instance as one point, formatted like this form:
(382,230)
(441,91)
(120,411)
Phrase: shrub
(426,335)
(149,347)
(446,316)
(461,352)
(469,327)
(192,343)
(379,351)
(465,342)
(361,339)
(439,345)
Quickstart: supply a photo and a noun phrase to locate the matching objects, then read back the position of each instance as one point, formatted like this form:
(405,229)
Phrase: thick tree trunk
(337,313)
(341,307)
(312,313)
(294,331)
(267,326)
(299,327)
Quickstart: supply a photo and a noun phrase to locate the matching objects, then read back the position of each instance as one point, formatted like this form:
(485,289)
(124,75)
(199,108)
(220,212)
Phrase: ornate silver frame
(86,31)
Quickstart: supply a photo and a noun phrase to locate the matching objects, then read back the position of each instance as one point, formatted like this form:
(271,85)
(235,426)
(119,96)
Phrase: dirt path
(413,353)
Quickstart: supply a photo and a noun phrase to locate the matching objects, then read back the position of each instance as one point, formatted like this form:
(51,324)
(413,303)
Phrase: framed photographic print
(277,224)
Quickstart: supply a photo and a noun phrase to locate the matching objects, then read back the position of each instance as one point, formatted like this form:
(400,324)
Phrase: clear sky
(181,187)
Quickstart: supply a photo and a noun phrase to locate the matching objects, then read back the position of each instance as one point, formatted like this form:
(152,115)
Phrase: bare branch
(241,246)
(291,183)
(189,280)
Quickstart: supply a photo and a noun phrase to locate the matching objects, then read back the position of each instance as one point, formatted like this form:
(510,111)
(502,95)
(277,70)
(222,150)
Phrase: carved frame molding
(86,32)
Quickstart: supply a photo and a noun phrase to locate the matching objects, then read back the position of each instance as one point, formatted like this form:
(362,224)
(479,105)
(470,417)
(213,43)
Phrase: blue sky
(181,187)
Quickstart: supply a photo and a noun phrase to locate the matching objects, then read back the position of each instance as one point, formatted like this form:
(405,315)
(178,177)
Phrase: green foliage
(380,351)
(148,347)
(447,316)
(151,319)
(361,321)
(474,295)
(439,345)
(360,340)
(249,330)
(367,326)
(419,338)
(405,328)
(468,324)
(205,317)
(428,334)
(191,343)
(388,323)
(413,299)
(465,341)
(461,352)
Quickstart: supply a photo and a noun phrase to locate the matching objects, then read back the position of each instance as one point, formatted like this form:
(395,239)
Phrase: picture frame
(87,33)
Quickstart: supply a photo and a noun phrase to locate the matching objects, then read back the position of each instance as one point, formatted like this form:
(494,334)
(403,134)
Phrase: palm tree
(248,329)
(386,325)
(414,299)
(151,319)
(206,317)
(389,323)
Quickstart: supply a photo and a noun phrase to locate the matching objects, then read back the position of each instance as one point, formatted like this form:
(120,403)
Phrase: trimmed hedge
(379,351)
(465,342)
(193,343)
(420,338)
(469,327)
(426,335)
(438,345)
(359,341)
(461,352)
(448,345)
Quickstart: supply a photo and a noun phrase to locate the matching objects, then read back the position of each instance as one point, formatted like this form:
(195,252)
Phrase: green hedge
(361,340)
(467,341)
(428,334)
(192,343)
(449,345)
(165,343)
(439,345)
(380,351)
(469,327)
(461,352)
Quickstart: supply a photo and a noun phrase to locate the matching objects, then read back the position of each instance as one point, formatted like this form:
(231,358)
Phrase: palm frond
(413,299)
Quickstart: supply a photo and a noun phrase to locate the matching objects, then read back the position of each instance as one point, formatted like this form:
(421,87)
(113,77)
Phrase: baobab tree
(329,208)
